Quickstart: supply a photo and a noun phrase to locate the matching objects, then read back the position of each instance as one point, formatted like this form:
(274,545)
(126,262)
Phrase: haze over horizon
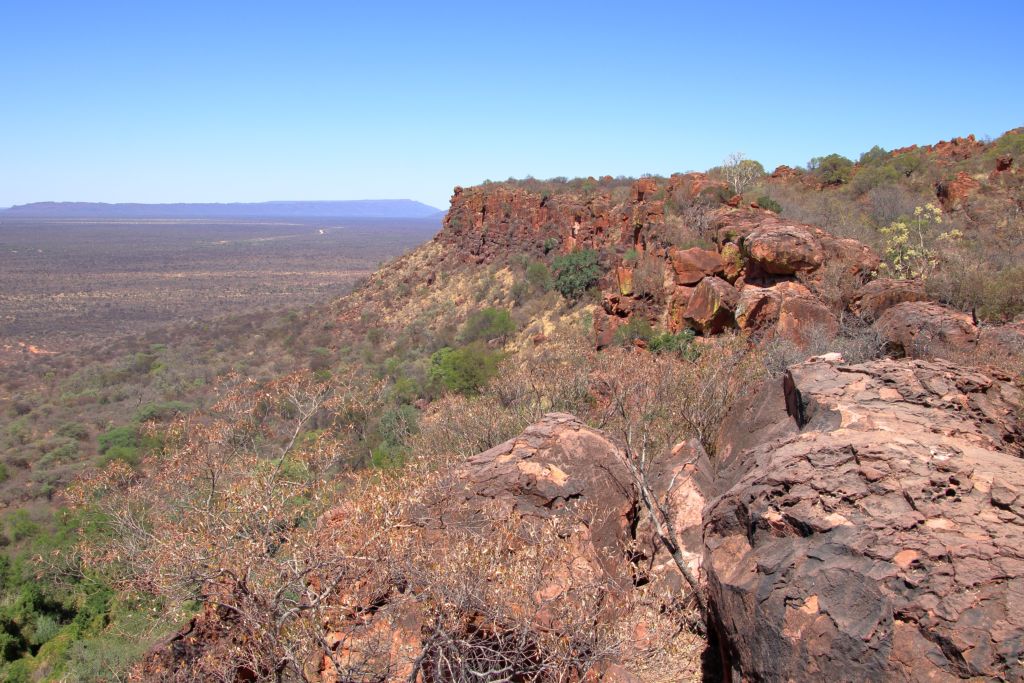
(187,102)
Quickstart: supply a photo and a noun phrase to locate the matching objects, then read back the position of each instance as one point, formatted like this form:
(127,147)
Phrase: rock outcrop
(869,525)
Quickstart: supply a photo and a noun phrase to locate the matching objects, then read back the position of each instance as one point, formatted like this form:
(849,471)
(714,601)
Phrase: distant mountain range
(360,208)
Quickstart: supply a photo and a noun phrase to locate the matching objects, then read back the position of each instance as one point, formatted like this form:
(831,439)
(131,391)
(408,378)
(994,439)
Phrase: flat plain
(67,283)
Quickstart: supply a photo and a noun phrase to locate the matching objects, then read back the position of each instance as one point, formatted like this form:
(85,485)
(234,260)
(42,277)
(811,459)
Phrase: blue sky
(220,101)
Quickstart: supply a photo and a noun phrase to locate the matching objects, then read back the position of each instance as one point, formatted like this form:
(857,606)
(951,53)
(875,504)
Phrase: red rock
(759,307)
(711,307)
(819,571)
(624,278)
(732,262)
(643,188)
(877,296)
(690,266)
(953,193)
(784,172)
(803,320)
(922,329)
(783,249)
(677,308)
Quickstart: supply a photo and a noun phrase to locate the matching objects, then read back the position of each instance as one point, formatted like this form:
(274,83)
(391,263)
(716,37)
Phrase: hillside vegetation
(327,494)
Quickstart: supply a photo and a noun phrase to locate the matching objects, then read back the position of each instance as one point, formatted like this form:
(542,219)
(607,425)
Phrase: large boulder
(878,296)
(777,248)
(869,526)
(711,307)
(758,308)
(923,329)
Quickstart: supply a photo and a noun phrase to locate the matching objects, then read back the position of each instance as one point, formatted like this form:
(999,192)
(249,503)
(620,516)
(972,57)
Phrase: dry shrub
(553,378)
(857,342)
(649,278)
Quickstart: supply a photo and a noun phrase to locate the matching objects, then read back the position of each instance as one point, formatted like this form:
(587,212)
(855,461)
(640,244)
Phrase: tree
(576,273)
(741,172)
(834,169)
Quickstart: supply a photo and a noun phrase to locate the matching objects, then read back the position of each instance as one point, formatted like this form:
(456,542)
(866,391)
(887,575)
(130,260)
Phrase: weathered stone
(711,306)
(922,329)
(690,266)
(863,528)
(877,296)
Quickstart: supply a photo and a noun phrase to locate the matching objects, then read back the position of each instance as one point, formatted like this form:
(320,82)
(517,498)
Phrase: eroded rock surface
(870,526)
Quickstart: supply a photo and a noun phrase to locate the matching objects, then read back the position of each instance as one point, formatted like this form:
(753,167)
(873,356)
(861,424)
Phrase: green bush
(128,454)
(486,324)
(464,370)
(20,526)
(161,411)
(766,202)
(680,343)
(388,456)
(126,436)
(73,430)
(576,273)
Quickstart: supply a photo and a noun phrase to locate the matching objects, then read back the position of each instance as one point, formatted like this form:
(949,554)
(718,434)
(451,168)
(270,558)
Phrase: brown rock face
(922,329)
(879,534)
(711,306)
(877,296)
(690,266)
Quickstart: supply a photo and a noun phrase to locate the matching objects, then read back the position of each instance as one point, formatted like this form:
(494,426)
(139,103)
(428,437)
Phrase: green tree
(576,273)
(464,370)
(834,169)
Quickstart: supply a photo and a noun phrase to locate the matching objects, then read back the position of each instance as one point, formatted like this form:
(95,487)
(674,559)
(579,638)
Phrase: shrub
(766,202)
(73,430)
(539,277)
(464,370)
(680,343)
(20,526)
(126,436)
(127,454)
(649,278)
(486,324)
(576,273)
(161,411)
(388,456)
(636,329)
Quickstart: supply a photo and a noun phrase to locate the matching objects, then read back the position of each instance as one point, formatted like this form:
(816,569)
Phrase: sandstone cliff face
(868,526)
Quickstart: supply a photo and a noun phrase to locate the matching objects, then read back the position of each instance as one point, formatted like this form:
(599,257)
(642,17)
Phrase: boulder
(804,319)
(677,304)
(777,248)
(877,296)
(711,306)
(922,329)
(758,307)
(869,526)
(690,266)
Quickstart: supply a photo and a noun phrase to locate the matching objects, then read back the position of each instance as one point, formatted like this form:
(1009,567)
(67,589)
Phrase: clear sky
(249,101)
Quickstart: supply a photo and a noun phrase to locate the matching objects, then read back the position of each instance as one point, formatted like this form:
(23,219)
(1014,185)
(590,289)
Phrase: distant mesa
(360,208)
